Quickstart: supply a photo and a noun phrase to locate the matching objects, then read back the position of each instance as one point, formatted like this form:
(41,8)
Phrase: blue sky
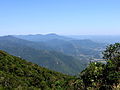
(66,17)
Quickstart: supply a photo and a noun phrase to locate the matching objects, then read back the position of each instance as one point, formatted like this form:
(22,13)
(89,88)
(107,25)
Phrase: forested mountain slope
(53,60)
(18,74)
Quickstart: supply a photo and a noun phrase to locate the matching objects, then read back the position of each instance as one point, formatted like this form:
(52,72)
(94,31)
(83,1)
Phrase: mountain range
(67,45)
(52,51)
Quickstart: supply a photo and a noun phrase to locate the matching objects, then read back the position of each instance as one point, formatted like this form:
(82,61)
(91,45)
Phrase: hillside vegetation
(18,74)
(33,52)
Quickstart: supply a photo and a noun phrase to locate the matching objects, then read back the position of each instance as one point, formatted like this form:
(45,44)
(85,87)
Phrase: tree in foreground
(104,76)
(112,70)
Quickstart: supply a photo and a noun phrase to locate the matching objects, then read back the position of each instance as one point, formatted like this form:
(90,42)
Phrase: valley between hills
(53,62)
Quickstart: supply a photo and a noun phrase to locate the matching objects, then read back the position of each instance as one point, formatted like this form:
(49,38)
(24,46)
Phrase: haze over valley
(59,53)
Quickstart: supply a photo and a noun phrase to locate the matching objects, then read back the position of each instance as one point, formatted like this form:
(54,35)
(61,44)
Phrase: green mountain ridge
(19,74)
(56,52)
(50,59)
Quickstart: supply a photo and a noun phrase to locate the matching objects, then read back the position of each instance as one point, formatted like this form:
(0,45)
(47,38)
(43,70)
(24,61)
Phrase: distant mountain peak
(52,34)
(7,36)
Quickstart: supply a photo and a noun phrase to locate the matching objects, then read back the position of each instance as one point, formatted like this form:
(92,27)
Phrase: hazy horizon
(64,17)
(63,34)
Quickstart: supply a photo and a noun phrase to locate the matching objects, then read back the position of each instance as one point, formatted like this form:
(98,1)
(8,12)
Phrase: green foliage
(93,74)
(112,56)
(112,51)
(16,73)
(100,76)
